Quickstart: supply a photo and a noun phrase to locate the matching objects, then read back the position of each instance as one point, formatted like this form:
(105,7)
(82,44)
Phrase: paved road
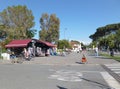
(114,70)
(56,72)
(35,76)
(114,67)
(71,59)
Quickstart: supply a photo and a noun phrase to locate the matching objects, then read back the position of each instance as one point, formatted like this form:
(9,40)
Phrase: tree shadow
(103,86)
(61,87)
(102,57)
(79,63)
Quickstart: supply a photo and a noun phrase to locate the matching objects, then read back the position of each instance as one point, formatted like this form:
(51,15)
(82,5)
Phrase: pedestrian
(26,54)
(96,51)
(111,52)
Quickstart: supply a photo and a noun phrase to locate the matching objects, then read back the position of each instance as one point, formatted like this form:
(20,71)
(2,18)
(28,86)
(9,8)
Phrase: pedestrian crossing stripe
(114,66)
(114,69)
(110,80)
(118,72)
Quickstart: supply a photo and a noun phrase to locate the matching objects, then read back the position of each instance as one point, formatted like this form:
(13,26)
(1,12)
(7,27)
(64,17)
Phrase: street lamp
(64,33)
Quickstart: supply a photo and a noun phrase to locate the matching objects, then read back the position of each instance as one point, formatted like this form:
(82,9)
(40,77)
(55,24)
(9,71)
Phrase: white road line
(110,80)
(115,69)
(117,72)
(112,65)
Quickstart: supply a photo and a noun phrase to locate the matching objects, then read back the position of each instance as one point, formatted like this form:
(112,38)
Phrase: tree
(3,34)
(75,41)
(17,22)
(107,36)
(117,37)
(49,28)
(111,41)
(105,30)
(62,44)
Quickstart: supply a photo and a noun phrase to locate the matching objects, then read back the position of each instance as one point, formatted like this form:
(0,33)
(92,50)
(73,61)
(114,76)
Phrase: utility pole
(65,33)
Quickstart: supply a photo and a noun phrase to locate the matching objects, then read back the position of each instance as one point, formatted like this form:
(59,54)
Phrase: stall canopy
(47,43)
(18,43)
(24,43)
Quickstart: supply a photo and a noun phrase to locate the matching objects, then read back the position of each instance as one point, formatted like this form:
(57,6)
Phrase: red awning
(47,43)
(18,43)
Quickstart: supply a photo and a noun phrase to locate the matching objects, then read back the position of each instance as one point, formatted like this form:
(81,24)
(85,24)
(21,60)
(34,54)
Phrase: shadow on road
(102,86)
(61,87)
(103,57)
(79,62)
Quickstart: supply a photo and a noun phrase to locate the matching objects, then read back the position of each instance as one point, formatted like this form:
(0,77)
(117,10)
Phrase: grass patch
(115,57)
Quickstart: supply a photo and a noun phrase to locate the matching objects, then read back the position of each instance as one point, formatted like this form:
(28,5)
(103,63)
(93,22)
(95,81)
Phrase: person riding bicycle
(26,54)
(12,56)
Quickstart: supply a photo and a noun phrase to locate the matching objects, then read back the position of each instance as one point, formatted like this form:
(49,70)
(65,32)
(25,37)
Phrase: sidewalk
(5,61)
(92,59)
(70,59)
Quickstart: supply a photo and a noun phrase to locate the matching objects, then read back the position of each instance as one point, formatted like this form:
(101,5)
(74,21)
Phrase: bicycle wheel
(20,59)
(12,61)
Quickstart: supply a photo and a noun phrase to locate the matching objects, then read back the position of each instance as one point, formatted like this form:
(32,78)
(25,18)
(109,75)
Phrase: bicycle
(16,58)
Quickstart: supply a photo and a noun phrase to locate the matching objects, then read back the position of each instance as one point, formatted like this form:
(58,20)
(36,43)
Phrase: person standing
(96,51)
(26,54)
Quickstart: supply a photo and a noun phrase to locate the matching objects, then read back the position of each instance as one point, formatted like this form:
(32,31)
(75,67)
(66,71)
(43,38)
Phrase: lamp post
(65,33)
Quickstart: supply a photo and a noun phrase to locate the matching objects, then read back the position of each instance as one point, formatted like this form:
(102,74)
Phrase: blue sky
(78,18)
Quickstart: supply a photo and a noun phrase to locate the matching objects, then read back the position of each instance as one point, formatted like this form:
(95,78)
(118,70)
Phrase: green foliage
(105,30)
(107,36)
(30,33)
(49,28)
(111,41)
(92,44)
(116,57)
(62,44)
(76,42)
(17,22)
(117,37)
(3,35)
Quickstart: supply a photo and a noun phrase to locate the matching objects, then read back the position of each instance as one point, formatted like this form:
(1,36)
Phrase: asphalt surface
(58,72)
(71,59)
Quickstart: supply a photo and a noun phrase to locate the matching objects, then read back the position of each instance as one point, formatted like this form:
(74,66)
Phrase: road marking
(115,64)
(117,72)
(67,75)
(110,80)
(115,69)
